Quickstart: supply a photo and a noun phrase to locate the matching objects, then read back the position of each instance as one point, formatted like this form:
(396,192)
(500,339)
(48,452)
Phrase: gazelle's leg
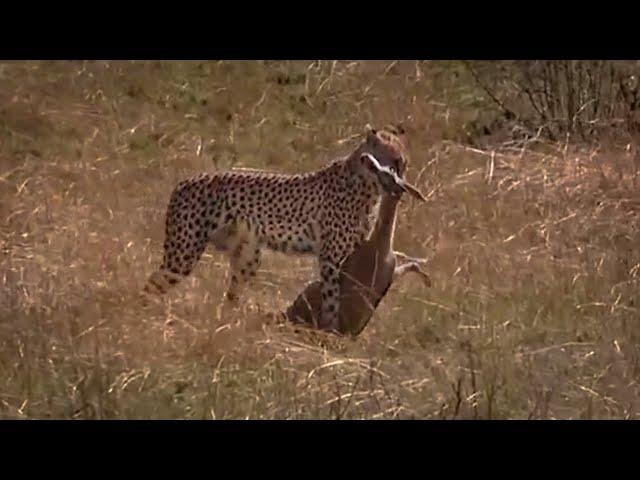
(407,258)
(412,267)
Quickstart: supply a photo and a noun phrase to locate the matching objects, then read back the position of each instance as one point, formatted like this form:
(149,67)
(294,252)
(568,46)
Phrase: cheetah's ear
(372,134)
(396,129)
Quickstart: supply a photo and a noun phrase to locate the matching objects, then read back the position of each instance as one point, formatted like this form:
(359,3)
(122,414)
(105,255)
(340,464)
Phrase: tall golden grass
(533,254)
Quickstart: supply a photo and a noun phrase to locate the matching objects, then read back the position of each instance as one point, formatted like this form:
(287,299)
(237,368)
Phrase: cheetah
(326,213)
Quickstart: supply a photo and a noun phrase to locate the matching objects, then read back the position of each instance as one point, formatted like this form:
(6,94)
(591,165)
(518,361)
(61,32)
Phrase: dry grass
(534,255)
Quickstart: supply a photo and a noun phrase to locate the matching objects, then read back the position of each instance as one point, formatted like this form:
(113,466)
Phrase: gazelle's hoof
(426,279)
(232,297)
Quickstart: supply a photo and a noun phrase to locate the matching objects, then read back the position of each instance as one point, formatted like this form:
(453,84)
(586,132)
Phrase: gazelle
(367,274)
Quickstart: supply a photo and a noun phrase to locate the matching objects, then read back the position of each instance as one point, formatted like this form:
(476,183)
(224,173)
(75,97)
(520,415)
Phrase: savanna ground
(534,257)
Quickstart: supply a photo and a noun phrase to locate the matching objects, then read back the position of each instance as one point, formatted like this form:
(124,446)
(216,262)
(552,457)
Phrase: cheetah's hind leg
(184,244)
(244,264)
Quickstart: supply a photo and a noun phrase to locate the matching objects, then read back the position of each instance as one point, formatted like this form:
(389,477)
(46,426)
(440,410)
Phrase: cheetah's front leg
(330,293)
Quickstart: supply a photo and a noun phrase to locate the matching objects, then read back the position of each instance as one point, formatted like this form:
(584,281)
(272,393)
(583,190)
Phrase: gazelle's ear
(413,191)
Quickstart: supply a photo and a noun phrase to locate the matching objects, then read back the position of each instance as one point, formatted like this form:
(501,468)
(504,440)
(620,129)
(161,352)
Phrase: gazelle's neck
(385,225)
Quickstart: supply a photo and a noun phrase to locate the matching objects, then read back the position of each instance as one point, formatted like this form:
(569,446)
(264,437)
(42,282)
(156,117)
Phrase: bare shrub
(578,98)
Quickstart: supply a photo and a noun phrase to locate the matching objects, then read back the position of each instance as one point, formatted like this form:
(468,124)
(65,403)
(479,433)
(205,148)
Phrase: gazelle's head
(389,180)
(387,147)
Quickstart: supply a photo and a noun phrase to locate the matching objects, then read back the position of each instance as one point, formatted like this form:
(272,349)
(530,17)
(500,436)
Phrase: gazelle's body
(365,277)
